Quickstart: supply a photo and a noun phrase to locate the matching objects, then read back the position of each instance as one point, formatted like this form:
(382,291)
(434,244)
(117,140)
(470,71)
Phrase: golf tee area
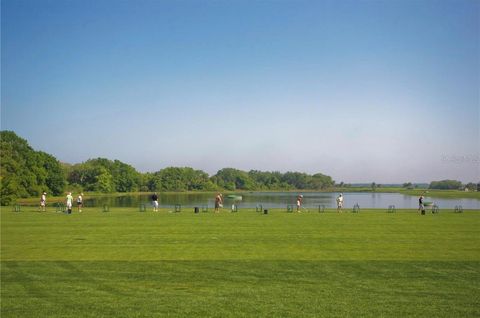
(126,263)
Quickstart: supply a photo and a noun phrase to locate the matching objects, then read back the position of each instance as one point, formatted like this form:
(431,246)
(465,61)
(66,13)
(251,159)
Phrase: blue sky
(384,91)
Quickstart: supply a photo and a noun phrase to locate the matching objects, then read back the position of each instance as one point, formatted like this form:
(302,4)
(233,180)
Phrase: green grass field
(130,264)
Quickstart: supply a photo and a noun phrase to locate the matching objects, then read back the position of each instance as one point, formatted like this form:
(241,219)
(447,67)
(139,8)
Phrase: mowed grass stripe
(124,234)
(240,289)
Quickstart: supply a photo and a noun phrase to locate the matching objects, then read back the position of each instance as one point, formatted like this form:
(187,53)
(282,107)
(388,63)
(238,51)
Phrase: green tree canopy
(104,175)
(446,185)
(179,179)
(471,186)
(234,179)
(26,172)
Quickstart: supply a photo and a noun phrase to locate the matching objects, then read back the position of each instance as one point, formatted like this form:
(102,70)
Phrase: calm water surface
(282,199)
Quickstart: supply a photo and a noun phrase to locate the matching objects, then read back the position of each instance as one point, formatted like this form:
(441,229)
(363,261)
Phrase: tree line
(26,173)
(454,185)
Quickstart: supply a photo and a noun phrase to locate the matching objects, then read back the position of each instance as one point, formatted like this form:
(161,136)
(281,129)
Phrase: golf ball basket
(356,208)
(59,207)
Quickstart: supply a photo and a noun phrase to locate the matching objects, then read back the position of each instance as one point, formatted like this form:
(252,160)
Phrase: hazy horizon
(363,91)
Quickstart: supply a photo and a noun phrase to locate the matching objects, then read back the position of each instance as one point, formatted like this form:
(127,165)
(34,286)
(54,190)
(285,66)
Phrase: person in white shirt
(218,202)
(155,202)
(80,202)
(69,202)
(340,203)
(299,202)
(43,202)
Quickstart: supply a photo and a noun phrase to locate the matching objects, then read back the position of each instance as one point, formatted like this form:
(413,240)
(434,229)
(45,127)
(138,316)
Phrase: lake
(282,199)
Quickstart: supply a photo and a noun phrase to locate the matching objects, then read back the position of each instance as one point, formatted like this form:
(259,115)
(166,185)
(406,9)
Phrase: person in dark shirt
(421,206)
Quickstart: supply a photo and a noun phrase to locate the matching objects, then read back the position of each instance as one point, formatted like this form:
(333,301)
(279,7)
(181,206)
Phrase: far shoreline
(446,194)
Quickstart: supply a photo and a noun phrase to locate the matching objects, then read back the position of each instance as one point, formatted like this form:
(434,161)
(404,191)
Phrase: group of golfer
(68,202)
(218,202)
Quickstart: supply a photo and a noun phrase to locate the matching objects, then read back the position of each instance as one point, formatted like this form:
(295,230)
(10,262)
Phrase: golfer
(155,202)
(340,203)
(69,202)
(299,202)
(80,202)
(43,201)
(421,206)
(218,202)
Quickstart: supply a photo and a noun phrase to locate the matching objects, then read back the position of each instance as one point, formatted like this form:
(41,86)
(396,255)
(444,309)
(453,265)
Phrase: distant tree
(407,185)
(105,176)
(234,179)
(104,181)
(446,185)
(152,181)
(267,180)
(85,175)
(374,186)
(180,179)
(125,177)
(320,181)
(471,186)
(297,180)
(198,180)
(54,173)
